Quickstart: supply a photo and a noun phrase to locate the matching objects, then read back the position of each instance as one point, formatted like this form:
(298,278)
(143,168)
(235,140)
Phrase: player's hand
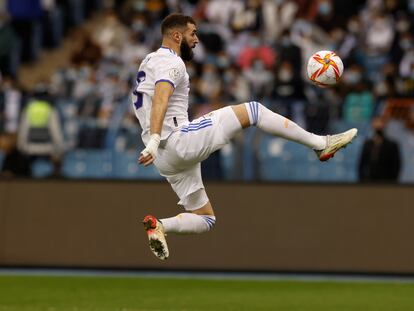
(148,155)
(145,158)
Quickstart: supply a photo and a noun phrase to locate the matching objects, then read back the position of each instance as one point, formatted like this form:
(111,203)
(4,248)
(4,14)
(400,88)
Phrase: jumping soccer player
(177,146)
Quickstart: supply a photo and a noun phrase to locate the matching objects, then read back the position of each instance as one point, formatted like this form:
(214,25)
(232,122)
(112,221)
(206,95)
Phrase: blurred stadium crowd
(80,123)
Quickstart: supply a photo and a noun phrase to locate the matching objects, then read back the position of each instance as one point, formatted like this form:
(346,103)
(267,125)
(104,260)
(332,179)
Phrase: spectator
(9,48)
(260,79)
(52,24)
(379,35)
(210,82)
(256,50)
(286,51)
(15,163)
(219,11)
(237,85)
(111,35)
(26,21)
(40,134)
(10,106)
(87,50)
(288,92)
(380,158)
(247,47)
(326,17)
(278,17)
(359,102)
(248,18)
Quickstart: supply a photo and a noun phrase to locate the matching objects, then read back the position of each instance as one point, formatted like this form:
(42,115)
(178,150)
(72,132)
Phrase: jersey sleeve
(169,70)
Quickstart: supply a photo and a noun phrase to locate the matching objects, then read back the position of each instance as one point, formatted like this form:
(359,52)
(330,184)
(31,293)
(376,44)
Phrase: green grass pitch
(70,293)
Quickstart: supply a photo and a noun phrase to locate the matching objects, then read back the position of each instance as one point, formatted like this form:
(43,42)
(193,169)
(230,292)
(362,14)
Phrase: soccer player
(176,146)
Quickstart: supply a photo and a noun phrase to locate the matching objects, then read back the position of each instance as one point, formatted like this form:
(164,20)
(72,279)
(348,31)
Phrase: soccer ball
(325,68)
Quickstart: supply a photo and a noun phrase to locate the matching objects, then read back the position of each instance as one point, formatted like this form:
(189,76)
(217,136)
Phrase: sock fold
(188,223)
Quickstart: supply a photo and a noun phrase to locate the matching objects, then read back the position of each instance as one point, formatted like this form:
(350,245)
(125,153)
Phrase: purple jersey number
(140,78)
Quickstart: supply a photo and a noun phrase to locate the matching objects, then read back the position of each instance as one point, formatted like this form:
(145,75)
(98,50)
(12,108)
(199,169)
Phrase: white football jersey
(163,65)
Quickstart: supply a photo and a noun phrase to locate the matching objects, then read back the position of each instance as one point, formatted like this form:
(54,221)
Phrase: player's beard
(186,51)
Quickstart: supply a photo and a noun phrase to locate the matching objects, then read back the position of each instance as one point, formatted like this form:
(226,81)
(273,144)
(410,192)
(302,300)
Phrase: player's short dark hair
(175,20)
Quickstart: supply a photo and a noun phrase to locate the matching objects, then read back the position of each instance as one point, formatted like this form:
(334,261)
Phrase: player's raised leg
(254,113)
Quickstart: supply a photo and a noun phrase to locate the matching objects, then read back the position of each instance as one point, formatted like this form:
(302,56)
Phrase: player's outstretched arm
(162,93)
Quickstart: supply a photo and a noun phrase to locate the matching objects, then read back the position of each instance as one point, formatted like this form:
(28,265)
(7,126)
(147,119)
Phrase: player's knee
(209,220)
(253,110)
(198,203)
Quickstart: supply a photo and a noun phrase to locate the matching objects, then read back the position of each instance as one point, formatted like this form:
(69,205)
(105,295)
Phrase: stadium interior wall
(260,227)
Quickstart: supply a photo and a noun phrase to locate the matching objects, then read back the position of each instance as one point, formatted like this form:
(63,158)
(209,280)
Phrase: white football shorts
(179,159)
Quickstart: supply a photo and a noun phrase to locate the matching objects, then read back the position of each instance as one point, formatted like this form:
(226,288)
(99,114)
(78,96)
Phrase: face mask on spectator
(406,44)
(381,88)
(84,72)
(138,26)
(209,76)
(258,65)
(6,86)
(285,40)
(402,26)
(139,5)
(325,8)
(223,61)
(228,77)
(285,75)
(352,77)
(255,42)
(353,27)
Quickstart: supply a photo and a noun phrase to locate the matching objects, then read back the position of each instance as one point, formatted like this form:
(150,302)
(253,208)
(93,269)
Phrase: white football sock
(187,223)
(278,125)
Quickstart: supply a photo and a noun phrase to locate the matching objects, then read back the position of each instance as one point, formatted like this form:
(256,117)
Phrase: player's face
(189,42)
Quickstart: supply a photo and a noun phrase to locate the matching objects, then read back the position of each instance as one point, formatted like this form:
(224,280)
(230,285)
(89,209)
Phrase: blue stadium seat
(2,157)
(332,171)
(338,126)
(305,171)
(227,159)
(298,152)
(126,167)
(94,164)
(352,152)
(128,139)
(351,171)
(70,122)
(282,160)
(396,129)
(407,155)
(41,168)
(275,160)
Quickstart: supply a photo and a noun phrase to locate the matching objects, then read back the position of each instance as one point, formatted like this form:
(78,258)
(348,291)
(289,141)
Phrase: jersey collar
(164,48)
